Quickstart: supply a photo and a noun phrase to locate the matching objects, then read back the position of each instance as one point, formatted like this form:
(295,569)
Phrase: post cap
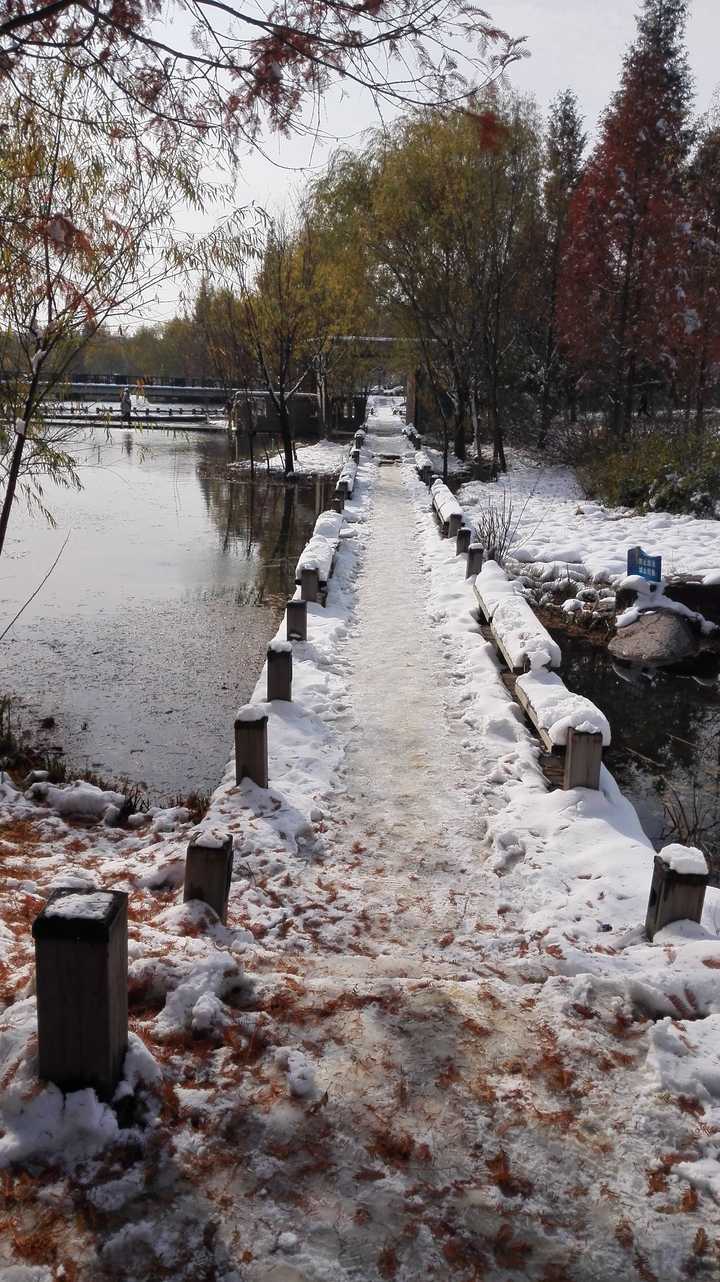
(80,914)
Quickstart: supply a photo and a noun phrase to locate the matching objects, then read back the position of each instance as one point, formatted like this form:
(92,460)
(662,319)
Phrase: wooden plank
(583,759)
(529,711)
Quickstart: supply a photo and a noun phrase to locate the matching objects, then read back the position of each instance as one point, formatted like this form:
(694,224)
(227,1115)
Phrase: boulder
(657,639)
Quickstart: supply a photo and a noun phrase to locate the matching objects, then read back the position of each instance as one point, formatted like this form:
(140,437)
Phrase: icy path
(451,1127)
(408,773)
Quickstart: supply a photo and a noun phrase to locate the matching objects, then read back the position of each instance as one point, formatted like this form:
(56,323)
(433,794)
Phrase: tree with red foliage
(627,240)
(236,67)
(699,305)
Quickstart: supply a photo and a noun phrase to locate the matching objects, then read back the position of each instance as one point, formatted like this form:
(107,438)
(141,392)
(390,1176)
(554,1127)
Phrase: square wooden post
(338,502)
(81,962)
(583,759)
(355,455)
(208,869)
(677,892)
(462,542)
(296,620)
(251,745)
(474,560)
(279,671)
(454,523)
(309,585)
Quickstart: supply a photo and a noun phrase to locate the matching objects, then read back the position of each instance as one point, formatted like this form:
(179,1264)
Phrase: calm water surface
(152,628)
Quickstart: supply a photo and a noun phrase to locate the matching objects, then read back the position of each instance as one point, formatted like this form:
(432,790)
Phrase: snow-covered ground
(430,1042)
(321,456)
(552,522)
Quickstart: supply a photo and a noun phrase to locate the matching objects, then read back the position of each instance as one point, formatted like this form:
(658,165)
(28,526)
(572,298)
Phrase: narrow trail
(454,1131)
(409,773)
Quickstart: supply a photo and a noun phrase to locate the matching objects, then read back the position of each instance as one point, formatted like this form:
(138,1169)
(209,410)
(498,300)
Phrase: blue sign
(648,567)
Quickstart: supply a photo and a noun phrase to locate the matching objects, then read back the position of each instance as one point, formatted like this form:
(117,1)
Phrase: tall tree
(625,237)
(698,313)
(564,146)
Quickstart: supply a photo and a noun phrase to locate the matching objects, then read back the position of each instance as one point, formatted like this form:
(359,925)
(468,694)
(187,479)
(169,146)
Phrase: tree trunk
(459,435)
(476,435)
(286,433)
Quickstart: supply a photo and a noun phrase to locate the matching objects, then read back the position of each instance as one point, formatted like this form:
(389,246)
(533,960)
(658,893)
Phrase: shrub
(658,471)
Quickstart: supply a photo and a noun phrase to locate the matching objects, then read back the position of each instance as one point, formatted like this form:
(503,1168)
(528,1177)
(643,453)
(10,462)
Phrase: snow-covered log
(492,586)
(566,720)
(447,509)
(319,553)
(423,466)
(521,638)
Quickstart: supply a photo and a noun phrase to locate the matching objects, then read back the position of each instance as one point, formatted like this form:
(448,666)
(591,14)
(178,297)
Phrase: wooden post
(583,759)
(355,455)
(474,560)
(251,745)
(309,585)
(279,671)
(296,620)
(208,869)
(462,542)
(81,965)
(338,502)
(454,522)
(675,895)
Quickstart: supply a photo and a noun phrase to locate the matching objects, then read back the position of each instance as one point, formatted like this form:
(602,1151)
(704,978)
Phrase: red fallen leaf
(446,939)
(555,951)
(712,962)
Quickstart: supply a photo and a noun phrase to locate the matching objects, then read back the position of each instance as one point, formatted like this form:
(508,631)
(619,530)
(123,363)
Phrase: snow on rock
(78,800)
(559,709)
(650,596)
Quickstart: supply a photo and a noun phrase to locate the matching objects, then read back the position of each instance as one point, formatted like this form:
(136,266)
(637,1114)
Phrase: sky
(571,43)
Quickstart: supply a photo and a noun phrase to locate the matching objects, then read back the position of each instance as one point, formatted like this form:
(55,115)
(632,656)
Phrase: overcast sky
(575,43)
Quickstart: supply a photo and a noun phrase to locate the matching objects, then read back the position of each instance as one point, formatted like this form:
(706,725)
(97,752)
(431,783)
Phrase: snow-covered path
(454,1126)
(375,1072)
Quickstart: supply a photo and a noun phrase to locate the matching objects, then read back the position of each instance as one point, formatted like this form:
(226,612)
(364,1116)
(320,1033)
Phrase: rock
(657,639)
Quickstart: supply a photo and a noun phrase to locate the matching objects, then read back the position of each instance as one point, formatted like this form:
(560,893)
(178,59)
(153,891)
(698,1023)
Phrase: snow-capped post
(583,759)
(474,560)
(677,893)
(296,620)
(359,438)
(338,501)
(208,869)
(251,745)
(309,584)
(81,965)
(279,671)
(462,542)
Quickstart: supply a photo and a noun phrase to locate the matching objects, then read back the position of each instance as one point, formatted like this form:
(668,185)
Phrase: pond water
(152,628)
(665,753)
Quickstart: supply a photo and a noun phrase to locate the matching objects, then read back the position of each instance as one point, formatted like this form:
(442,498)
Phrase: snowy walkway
(399,1088)
(454,1130)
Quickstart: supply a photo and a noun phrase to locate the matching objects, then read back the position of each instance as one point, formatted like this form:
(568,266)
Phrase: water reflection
(153,627)
(665,752)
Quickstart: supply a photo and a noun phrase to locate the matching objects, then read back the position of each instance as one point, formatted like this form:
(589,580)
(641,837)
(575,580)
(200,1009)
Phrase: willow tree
(453,200)
(80,230)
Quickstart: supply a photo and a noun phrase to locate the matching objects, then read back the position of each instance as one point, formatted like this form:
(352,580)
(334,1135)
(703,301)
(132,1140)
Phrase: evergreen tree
(626,242)
(564,146)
